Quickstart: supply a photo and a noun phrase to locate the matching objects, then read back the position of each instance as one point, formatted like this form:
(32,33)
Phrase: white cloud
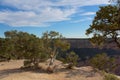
(29,18)
(88,13)
(27,4)
(41,12)
(82,20)
(82,2)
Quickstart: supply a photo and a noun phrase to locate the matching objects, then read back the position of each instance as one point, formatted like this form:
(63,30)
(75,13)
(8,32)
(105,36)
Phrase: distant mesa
(84,48)
(85,43)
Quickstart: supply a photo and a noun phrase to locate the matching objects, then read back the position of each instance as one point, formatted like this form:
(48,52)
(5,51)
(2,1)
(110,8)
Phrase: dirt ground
(11,71)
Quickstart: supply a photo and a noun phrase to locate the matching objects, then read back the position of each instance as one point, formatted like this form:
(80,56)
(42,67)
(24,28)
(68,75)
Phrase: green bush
(72,59)
(27,63)
(34,59)
(103,62)
(110,77)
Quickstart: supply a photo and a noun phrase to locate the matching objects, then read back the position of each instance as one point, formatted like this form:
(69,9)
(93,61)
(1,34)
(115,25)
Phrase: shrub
(117,68)
(27,63)
(110,77)
(34,59)
(72,59)
(103,62)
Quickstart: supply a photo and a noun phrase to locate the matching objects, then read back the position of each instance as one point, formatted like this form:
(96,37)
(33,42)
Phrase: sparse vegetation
(117,62)
(42,53)
(103,62)
(106,24)
(53,45)
(105,28)
(108,76)
(22,45)
(71,59)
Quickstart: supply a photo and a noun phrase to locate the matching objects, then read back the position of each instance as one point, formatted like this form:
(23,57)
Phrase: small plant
(117,68)
(103,62)
(99,60)
(27,63)
(72,59)
(110,77)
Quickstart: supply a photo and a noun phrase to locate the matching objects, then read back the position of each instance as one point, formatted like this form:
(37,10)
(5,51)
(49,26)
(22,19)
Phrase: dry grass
(11,71)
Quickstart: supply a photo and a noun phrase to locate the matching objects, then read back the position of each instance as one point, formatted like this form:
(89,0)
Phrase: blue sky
(69,17)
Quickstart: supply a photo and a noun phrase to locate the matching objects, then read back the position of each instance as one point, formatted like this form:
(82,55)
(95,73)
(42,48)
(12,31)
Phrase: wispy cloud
(41,12)
(29,18)
(81,2)
(88,13)
(82,20)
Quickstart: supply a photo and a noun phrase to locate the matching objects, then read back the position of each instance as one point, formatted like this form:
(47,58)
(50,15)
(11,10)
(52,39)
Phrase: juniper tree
(27,46)
(54,44)
(105,25)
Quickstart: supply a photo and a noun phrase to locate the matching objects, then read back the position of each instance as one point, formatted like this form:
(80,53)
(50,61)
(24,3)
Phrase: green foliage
(35,51)
(54,44)
(27,63)
(110,77)
(22,45)
(103,62)
(19,45)
(105,25)
(5,49)
(71,59)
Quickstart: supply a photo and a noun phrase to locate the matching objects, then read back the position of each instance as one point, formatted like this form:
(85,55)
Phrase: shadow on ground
(7,72)
(73,73)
